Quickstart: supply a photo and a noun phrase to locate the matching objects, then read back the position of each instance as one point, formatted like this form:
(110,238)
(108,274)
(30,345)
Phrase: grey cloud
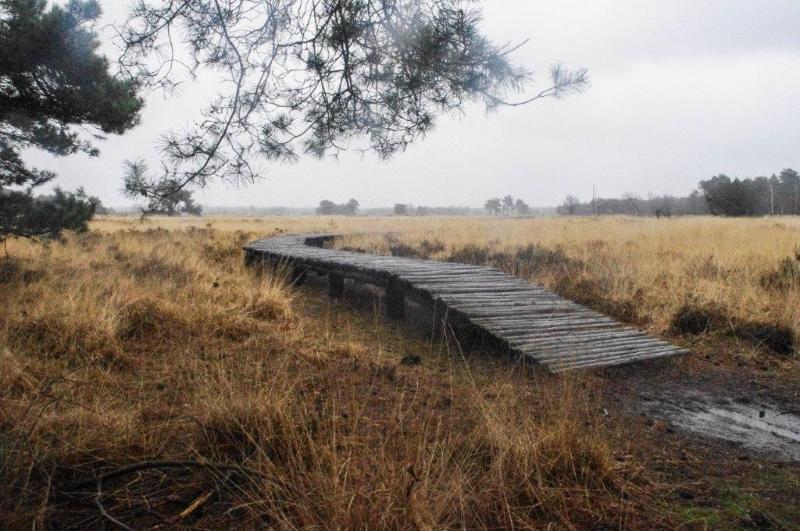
(681,90)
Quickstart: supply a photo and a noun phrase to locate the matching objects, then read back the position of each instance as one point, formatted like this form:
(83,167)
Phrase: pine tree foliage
(494,206)
(53,86)
(169,198)
(759,196)
(318,76)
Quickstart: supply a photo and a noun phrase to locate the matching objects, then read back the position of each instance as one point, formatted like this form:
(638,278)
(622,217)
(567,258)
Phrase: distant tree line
(507,206)
(407,209)
(632,205)
(329,208)
(759,196)
(720,195)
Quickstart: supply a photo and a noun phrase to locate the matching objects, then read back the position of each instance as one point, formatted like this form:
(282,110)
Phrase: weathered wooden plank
(538,340)
(608,361)
(488,287)
(544,336)
(536,320)
(550,340)
(449,274)
(518,308)
(598,357)
(519,299)
(552,329)
(590,351)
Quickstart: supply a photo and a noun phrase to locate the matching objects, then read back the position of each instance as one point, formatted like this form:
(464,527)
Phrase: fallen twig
(98,500)
(159,465)
(195,505)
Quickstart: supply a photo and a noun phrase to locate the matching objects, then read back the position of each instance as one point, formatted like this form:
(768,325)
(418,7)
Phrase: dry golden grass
(149,347)
(742,275)
(241,401)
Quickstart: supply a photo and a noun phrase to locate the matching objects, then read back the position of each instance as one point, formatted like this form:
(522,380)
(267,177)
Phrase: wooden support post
(299,274)
(261,263)
(335,285)
(395,300)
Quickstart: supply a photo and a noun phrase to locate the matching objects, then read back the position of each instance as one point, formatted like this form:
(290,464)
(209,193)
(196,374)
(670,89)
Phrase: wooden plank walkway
(531,321)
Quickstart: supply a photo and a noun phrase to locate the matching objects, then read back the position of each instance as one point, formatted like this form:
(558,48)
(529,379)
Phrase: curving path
(529,320)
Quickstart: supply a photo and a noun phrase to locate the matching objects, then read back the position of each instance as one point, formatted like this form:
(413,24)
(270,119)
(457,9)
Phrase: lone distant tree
(400,209)
(170,200)
(329,208)
(352,207)
(570,205)
(99,208)
(53,86)
(493,206)
(175,202)
(508,204)
(729,197)
(522,207)
(326,208)
(309,77)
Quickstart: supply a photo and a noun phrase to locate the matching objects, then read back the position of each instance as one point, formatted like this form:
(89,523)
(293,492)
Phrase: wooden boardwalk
(529,320)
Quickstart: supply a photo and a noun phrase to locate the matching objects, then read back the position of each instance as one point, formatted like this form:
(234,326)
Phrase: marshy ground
(147,378)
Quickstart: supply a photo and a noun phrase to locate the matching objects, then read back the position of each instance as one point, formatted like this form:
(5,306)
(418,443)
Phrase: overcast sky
(681,90)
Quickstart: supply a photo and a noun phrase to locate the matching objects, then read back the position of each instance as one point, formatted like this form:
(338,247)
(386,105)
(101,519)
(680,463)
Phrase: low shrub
(431,247)
(77,339)
(14,378)
(775,337)
(146,318)
(398,248)
(243,426)
(157,268)
(471,254)
(695,318)
(526,261)
(708,268)
(11,270)
(222,252)
(784,277)
(231,326)
(534,259)
(268,308)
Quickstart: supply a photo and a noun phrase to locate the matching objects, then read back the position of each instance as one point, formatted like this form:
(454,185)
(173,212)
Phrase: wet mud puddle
(758,425)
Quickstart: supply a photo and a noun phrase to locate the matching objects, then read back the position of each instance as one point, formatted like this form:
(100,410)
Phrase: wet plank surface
(530,320)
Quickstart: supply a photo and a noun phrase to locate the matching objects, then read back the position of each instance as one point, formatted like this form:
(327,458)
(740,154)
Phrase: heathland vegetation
(150,378)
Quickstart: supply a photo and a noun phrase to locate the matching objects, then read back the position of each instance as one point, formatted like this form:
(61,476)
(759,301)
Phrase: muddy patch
(756,425)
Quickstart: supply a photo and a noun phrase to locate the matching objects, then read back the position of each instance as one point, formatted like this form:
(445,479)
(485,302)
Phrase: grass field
(148,378)
(684,276)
